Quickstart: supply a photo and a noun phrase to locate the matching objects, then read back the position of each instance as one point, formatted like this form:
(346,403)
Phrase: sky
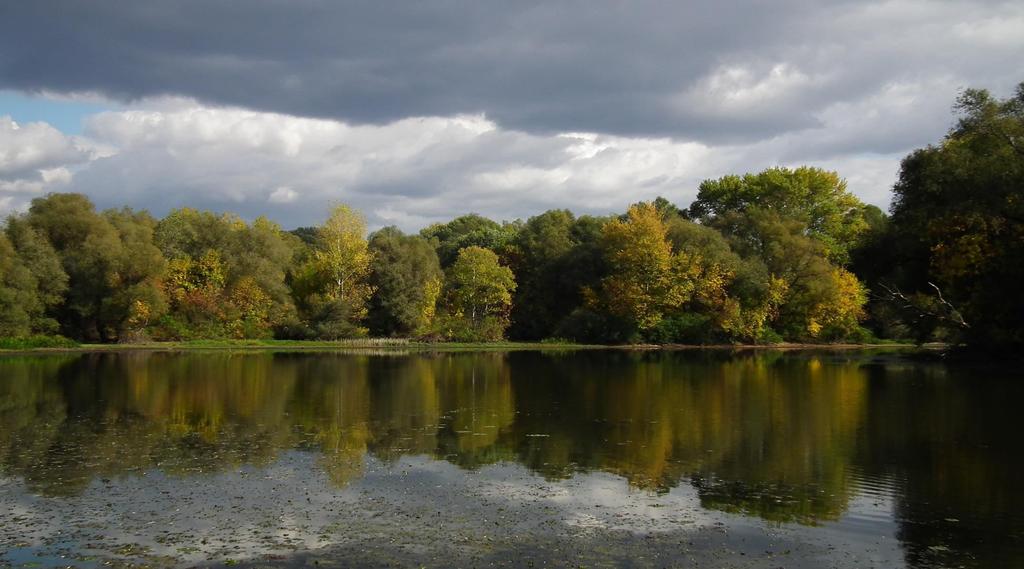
(419,112)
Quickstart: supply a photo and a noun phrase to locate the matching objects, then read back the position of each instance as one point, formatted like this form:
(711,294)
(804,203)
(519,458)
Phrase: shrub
(769,336)
(588,326)
(458,328)
(688,328)
(30,342)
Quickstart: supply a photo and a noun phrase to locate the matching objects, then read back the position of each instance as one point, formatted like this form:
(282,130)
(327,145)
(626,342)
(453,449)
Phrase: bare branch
(955,315)
(951,314)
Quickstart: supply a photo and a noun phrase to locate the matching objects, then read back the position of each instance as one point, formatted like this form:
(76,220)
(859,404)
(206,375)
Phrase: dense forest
(780,255)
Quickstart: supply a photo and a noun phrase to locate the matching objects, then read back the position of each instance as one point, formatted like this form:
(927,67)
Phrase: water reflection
(783,438)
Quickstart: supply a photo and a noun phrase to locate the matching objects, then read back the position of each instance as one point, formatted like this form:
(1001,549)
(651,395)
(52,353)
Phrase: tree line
(780,255)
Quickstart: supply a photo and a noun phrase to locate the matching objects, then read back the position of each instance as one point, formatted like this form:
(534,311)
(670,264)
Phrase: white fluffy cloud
(34,158)
(740,92)
(168,153)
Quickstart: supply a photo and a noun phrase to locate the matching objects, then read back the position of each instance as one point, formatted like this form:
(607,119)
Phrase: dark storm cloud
(708,71)
(505,108)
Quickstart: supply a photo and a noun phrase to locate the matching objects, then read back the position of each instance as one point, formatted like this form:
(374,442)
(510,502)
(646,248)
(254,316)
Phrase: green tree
(548,287)
(248,256)
(406,277)
(49,280)
(112,264)
(136,293)
(191,233)
(816,198)
(958,227)
(465,231)
(265,258)
(819,300)
(479,293)
(17,292)
(305,234)
(669,211)
(89,248)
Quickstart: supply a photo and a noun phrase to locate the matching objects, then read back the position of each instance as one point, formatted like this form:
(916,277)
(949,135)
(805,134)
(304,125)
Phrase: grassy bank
(316,345)
(42,344)
(23,343)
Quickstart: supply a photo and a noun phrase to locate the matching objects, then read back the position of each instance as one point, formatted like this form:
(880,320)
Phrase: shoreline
(395,346)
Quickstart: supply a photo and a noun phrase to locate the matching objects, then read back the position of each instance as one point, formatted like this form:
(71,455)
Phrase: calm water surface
(769,459)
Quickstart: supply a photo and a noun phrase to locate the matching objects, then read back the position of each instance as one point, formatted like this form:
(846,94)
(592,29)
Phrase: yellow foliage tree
(341,261)
(139,315)
(195,287)
(199,294)
(479,295)
(839,314)
(748,323)
(647,279)
(252,305)
(428,309)
(186,276)
(334,280)
(480,285)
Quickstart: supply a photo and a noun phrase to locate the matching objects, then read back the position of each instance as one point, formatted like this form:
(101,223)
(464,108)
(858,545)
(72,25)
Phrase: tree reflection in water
(787,438)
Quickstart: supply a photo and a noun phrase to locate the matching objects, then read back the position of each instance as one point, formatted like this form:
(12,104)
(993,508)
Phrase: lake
(567,459)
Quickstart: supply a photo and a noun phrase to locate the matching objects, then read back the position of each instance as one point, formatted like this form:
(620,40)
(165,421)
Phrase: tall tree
(816,198)
(49,279)
(191,233)
(646,279)
(958,227)
(112,264)
(719,298)
(465,231)
(479,291)
(265,256)
(342,255)
(88,246)
(547,286)
(821,300)
(407,279)
(136,293)
(18,294)
(332,285)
